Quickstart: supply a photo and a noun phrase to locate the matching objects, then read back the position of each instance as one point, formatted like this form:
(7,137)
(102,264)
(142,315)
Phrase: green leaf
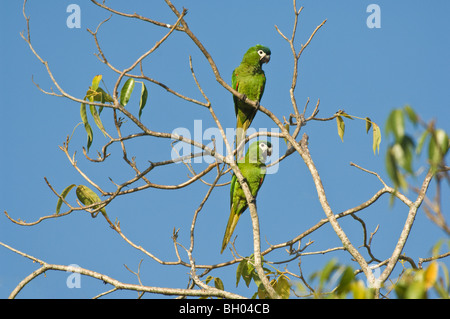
(376,138)
(416,290)
(392,167)
(408,150)
(411,114)
(403,153)
(208,279)
(87,127)
(90,95)
(327,271)
(240,270)
(102,96)
(345,281)
(88,197)
(340,127)
(431,274)
(346,115)
(422,140)
(396,124)
(368,124)
(96,81)
(282,287)
(126,91)
(438,147)
(247,273)
(256,279)
(358,289)
(143,100)
(97,119)
(218,283)
(63,195)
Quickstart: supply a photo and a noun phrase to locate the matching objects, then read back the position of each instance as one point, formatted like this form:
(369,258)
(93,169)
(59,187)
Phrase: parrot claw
(244,97)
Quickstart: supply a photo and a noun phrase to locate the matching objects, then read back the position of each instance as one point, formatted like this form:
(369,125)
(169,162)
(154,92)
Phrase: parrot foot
(244,97)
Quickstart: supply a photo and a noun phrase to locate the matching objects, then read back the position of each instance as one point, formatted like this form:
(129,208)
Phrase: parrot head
(258,152)
(257,54)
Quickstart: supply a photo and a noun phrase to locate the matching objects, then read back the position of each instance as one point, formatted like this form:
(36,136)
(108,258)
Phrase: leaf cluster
(417,283)
(402,150)
(97,94)
(376,133)
(278,280)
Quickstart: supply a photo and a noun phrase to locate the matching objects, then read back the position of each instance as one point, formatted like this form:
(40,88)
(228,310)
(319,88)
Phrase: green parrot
(249,79)
(253,168)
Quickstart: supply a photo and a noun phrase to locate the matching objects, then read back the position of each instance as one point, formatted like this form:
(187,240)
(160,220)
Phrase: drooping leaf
(282,287)
(376,138)
(126,91)
(431,274)
(411,114)
(340,127)
(218,283)
(90,135)
(90,95)
(240,270)
(396,124)
(403,153)
(103,96)
(345,281)
(359,290)
(256,279)
(408,149)
(247,273)
(416,290)
(326,273)
(143,100)
(96,81)
(88,197)
(438,147)
(422,140)
(97,119)
(368,124)
(393,169)
(208,279)
(63,195)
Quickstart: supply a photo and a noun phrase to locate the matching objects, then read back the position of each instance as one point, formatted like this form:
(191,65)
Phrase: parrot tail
(232,222)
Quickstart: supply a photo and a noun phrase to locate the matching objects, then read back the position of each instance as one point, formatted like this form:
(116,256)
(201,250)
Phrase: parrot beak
(269,151)
(265,58)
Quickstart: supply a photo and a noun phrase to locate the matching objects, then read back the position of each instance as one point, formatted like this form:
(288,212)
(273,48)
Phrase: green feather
(253,168)
(249,79)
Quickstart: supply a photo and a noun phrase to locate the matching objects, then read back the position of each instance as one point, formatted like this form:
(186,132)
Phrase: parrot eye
(261,53)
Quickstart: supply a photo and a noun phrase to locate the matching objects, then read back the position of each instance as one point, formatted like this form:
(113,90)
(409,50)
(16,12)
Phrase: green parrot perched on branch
(249,79)
(253,168)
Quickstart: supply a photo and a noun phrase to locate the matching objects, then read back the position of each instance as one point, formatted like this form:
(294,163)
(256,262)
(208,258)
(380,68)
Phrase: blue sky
(366,72)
